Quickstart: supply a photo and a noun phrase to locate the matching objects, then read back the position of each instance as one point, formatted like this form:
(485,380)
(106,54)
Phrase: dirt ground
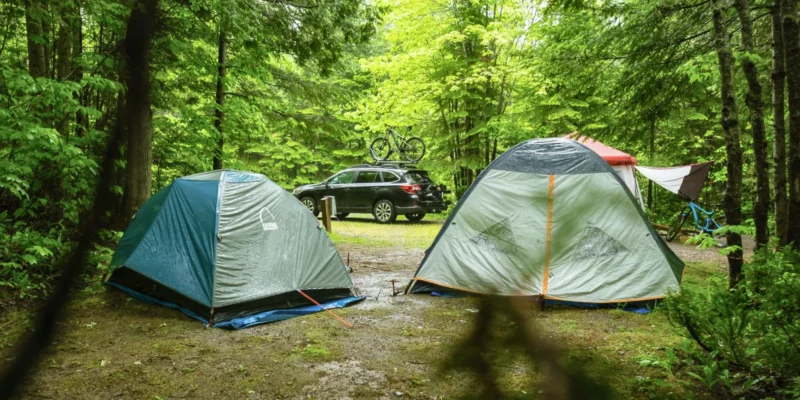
(114,347)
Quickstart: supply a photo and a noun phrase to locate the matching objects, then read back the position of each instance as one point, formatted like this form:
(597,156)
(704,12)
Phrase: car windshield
(417,177)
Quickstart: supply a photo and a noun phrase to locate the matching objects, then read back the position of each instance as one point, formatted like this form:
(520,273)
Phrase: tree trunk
(37,65)
(652,155)
(755,105)
(222,59)
(778,111)
(64,64)
(139,114)
(791,40)
(81,119)
(730,125)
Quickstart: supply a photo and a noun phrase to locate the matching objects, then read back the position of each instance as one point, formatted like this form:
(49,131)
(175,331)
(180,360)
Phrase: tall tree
(219,113)
(791,41)
(755,105)
(778,122)
(730,125)
(138,111)
(37,58)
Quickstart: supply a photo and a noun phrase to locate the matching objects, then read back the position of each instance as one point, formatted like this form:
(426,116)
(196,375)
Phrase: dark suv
(383,190)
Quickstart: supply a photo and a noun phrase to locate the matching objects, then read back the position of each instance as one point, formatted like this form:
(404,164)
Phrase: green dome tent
(550,218)
(232,249)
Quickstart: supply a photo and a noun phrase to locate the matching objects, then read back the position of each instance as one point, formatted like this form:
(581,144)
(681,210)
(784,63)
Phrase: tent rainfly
(622,163)
(550,217)
(232,249)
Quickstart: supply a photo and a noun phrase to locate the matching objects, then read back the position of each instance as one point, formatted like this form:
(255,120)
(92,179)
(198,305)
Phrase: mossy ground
(111,346)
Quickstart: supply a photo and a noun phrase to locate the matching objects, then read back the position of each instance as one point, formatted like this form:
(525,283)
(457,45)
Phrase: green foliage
(747,337)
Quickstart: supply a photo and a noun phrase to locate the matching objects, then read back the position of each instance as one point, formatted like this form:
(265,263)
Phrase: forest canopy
(297,89)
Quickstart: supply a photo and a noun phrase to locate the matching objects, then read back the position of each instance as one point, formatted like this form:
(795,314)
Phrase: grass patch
(401,234)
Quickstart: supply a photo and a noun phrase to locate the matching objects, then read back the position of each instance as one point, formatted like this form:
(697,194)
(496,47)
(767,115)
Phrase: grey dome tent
(232,249)
(550,218)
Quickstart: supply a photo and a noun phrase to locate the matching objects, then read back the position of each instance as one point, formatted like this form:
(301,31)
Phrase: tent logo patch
(596,243)
(268,225)
(497,237)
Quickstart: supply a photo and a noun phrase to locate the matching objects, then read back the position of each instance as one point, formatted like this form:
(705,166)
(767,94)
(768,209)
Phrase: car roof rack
(396,164)
(387,164)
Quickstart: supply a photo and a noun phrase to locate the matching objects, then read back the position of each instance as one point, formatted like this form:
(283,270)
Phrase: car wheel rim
(309,205)
(383,212)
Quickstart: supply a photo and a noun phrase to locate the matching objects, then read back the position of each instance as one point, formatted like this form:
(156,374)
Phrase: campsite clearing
(112,346)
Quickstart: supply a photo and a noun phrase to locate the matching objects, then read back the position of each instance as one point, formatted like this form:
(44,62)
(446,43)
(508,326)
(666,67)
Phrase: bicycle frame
(710,225)
(394,135)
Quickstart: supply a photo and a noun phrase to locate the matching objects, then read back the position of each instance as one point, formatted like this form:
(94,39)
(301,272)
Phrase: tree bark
(139,114)
(652,155)
(37,65)
(64,63)
(791,40)
(755,105)
(778,112)
(222,59)
(730,125)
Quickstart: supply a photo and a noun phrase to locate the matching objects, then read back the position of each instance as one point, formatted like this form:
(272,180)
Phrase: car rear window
(389,176)
(366,176)
(417,177)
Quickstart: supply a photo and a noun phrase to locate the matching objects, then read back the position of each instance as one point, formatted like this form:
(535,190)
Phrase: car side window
(343,178)
(389,176)
(366,176)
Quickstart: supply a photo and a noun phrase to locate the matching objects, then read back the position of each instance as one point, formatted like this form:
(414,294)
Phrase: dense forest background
(296,90)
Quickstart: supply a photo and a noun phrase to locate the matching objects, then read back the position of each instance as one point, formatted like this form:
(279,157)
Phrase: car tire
(415,217)
(310,204)
(342,216)
(384,212)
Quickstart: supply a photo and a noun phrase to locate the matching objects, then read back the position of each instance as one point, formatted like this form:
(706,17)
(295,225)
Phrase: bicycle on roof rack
(706,225)
(413,148)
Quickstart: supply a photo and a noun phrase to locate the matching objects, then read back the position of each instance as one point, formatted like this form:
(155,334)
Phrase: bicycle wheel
(380,149)
(675,228)
(413,149)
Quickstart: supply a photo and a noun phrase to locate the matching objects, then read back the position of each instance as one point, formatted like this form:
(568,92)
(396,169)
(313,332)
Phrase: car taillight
(411,189)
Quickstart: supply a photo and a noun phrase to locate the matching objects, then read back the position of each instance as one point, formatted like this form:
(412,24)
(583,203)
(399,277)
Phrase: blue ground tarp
(279,315)
(638,308)
(248,321)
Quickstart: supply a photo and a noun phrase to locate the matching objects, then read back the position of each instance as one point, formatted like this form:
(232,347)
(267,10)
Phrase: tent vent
(596,243)
(497,237)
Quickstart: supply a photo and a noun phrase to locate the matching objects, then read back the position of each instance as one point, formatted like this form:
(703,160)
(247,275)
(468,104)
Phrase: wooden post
(540,303)
(326,213)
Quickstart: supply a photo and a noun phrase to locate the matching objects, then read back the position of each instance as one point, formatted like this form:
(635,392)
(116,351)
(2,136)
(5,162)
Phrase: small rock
(103,363)
(137,363)
(621,352)
(398,393)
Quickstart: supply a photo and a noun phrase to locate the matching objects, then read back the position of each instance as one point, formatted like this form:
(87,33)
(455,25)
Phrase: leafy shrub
(748,336)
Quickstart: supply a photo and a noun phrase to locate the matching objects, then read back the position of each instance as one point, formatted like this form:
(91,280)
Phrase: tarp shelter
(622,163)
(231,249)
(686,181)
(550,217)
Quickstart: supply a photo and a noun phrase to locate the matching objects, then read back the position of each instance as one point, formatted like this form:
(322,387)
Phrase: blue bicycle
(707,225)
